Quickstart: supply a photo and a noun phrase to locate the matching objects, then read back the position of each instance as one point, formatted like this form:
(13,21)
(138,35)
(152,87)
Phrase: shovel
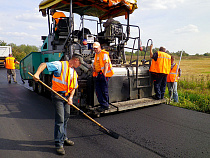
(107,131)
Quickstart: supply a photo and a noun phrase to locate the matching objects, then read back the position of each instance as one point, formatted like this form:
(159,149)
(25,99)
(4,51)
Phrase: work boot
(154,97)
(60,151)
(106,107)
(68,142)
(100,109)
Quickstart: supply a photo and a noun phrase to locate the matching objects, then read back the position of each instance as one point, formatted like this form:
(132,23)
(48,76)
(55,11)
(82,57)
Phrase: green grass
(194,85)
(194,94)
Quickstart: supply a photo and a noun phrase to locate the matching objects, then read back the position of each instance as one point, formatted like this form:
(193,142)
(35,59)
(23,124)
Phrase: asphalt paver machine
(131,85)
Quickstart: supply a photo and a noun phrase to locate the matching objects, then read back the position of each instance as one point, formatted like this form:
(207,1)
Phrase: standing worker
(172,79)
(102,71)
(9,64)
(160,68)
(64,82)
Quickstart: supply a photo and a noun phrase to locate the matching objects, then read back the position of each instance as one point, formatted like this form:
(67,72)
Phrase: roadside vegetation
(194,94)
(193,86)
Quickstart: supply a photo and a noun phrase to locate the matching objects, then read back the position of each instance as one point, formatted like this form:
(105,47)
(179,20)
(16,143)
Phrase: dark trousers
(102,91)
(160,81)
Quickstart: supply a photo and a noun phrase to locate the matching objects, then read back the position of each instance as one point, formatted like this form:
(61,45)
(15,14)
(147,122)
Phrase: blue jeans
(102,91)
(62,114)
(160,81)
(172,89)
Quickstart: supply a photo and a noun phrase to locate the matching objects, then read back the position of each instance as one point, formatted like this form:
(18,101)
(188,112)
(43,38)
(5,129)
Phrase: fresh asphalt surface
(27,121)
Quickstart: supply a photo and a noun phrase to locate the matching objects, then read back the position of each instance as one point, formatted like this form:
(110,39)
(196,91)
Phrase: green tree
(2,43)
(183,53)
(19,52)
(18,55)
(127,53)
(206,54)
(28,49)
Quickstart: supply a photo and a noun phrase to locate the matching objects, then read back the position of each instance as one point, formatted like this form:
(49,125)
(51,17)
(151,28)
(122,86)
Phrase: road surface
(27,121)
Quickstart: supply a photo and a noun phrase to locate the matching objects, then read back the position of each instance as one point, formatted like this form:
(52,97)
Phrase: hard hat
(96,44)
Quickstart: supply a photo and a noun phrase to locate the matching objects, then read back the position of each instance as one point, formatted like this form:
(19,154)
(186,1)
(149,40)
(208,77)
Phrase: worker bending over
(64,82)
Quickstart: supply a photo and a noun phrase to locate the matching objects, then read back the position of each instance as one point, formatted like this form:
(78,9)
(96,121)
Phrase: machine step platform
(132,104)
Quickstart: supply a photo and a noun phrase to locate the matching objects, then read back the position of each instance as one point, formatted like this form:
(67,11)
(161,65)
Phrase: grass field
(195,67)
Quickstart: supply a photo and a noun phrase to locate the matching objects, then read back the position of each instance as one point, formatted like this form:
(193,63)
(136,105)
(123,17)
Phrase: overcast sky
(175,24)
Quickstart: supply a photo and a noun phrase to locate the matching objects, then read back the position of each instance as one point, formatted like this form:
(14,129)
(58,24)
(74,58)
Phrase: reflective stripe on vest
(172,75)
(110,71)
(162,65)
(62,79)
(63,82)
(10,63)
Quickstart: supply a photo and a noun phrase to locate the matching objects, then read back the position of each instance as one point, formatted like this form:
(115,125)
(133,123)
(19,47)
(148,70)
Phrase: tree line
(19,52)
(178,53)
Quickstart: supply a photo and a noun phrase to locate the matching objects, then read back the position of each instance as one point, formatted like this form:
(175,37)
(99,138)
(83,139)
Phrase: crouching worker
(64,82)
(102,71)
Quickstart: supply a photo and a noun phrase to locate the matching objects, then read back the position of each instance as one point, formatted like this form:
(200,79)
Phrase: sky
(176,24)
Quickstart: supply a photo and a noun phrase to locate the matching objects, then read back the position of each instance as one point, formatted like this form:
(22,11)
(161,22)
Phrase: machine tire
(39,88)
(34,86)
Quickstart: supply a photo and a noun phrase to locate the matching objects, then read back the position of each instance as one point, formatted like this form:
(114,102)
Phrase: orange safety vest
(110,71)
(172,75)
(10,63)
(57,16)
(63,82)
(162,65)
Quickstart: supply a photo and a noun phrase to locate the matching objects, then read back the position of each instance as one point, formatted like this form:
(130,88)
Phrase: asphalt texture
(27,124)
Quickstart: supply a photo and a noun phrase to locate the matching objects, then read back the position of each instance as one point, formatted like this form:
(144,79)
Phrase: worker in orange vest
(102,71)
(160,68)
(64,82)
(56,16)
(172,79)
(9,64)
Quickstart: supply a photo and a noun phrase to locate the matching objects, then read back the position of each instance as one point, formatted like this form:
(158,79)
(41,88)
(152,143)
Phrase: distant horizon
(176,24)
(9,44)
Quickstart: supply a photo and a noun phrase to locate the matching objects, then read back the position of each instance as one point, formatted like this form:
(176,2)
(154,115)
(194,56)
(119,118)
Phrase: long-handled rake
(107,131)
